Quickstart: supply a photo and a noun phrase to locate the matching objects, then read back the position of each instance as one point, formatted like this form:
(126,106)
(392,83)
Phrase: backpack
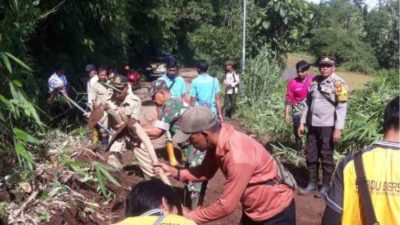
(285,176)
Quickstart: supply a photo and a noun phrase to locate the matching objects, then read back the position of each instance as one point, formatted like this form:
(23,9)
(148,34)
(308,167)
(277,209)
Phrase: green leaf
(18,61)
(266,24)
(282,12)
(110,177)
(6,62)
(77,164)
(17,83)
(5,101)
(2,117)
(100,179)
(21,150)
(22,135)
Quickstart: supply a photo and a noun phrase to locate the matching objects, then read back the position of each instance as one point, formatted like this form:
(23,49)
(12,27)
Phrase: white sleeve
(161,125)
(91,93)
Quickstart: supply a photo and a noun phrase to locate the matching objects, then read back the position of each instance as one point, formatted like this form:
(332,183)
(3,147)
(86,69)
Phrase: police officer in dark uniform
(324,114)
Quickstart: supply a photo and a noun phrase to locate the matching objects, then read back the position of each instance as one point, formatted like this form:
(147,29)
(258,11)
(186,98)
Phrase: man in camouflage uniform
(122,107)
(169,121)
(324,114)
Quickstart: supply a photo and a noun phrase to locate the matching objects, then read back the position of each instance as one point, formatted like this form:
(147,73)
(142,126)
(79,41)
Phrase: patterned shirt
(56,81)
(170,114)
(169,120)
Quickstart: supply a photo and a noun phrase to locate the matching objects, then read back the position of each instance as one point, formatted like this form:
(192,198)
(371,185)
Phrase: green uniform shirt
(169,120)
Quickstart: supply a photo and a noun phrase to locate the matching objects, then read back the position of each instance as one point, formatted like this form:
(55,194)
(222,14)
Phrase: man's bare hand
(300,130)
(337,135)
(185,211)
(287,118)
(221,118)
(168,170)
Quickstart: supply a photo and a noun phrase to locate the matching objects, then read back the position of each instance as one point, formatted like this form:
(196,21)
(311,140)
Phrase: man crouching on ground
(250,171)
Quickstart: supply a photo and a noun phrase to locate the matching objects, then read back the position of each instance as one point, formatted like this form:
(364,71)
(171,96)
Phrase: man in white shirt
(99,93)
(231,84)
(58,81)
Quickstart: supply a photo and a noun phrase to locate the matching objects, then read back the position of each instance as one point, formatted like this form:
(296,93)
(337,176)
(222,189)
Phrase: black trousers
(286,217)
(320,146)
(229,104)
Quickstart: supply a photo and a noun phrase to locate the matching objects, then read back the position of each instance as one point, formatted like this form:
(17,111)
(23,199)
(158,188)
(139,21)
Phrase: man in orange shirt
(250,171)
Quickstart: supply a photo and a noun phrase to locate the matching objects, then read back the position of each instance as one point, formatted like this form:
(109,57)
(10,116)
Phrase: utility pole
(244,35)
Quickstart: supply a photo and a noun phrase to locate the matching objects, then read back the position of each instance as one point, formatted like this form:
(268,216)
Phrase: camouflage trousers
(194,158)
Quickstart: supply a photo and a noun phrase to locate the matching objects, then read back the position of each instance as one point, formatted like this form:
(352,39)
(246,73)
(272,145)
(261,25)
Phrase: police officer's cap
(327,60)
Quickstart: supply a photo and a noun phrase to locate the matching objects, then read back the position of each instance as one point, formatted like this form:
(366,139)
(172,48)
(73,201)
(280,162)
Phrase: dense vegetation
(362,40)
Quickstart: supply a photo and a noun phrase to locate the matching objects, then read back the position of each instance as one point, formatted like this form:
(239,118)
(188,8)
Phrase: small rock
(26,187)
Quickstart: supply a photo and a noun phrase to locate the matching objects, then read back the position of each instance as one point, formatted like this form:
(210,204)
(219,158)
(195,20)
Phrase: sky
(370,3)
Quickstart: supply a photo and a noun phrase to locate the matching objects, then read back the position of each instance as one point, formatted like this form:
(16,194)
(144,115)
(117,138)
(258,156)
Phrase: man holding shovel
(124,111)
(168,122)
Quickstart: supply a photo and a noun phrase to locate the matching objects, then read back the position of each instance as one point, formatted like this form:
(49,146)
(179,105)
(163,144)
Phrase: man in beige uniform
(99,93)
(125,106)
(324,114)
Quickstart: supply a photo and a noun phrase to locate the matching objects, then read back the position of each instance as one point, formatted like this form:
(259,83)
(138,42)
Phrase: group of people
(194,121)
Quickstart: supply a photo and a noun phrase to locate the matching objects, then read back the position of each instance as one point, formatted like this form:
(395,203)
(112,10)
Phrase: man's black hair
(202,66)
(172,63)
(302,66)
(391,115)
(147,195)
(58,67)
(101,68)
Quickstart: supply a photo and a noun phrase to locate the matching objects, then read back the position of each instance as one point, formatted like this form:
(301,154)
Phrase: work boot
(312,183)
(326,184)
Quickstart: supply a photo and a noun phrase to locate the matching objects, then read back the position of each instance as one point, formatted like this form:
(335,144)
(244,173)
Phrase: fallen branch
(89,151)
(51,11)
(25,204)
